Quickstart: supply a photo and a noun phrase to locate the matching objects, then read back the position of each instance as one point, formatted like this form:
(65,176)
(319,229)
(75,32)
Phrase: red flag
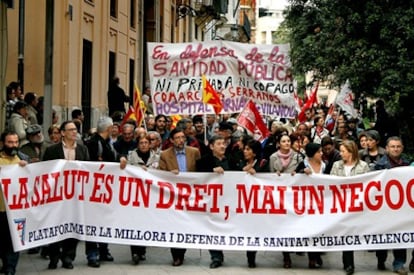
(329,122)
(309,103)
(139,106)
(129,116)
(251,119)
(210,96)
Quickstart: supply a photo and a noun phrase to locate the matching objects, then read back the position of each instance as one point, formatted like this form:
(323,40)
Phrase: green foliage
(369,42)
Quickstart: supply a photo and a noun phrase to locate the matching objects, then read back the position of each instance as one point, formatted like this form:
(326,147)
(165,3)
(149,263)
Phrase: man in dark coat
(100,150)
(116,97)
(67,149)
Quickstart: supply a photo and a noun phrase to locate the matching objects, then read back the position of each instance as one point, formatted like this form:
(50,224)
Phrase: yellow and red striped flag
(139,106)
(210,96)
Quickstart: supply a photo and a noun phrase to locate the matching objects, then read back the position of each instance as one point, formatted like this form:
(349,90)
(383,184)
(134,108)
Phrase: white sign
(237,71)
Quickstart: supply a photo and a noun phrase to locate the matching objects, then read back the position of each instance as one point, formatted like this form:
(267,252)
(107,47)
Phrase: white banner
(54,200)
(237,71)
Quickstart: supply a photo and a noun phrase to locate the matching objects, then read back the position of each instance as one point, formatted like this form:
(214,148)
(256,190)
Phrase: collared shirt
(182,162)
(6,160)
(69,151)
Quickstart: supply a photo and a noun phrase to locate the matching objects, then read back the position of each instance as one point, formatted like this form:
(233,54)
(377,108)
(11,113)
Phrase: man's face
(308,114)
(210,119)
(394,149)
(342,128)
(11,144)
(218,148)
(199,126)
(128,134)
(36,138)
(160,124)
(69,134)
(154,141)
(328,149)
(188,129)
(179,140)
(115,130)
(227,136)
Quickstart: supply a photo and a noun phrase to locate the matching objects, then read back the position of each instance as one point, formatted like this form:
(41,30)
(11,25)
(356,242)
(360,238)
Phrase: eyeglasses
(71,129)
(152,139)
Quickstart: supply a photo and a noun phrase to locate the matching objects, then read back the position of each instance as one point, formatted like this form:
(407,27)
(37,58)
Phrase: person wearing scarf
(285,160)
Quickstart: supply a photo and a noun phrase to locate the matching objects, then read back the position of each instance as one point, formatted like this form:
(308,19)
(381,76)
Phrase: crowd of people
(335,145)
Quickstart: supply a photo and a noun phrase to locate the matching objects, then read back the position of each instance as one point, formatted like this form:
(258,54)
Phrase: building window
(132,78)
(113,9)
(133,15)
(112,67)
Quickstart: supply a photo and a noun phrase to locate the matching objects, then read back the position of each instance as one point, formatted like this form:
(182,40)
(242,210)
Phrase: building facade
(88,42)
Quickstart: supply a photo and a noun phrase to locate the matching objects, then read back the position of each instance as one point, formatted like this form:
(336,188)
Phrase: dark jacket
(385,163)
(55,151)
(208,162)
(100,149)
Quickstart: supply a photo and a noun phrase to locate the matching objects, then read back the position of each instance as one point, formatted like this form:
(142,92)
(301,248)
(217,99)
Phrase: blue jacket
(385,163)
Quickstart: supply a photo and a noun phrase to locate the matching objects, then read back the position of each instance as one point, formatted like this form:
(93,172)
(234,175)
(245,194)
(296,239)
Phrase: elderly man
(126,142)
(36,146)
(100,149)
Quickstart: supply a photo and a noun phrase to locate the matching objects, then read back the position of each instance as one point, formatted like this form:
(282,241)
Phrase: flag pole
(205,128)
(336,121)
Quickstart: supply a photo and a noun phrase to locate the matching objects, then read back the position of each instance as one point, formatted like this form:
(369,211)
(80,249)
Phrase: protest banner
(54,200)
(237,71)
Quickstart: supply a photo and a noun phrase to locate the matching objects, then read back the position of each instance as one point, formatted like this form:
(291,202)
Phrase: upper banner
(237,71)
(55,200)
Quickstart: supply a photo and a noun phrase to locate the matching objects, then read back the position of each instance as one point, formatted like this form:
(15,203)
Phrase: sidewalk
(197,262)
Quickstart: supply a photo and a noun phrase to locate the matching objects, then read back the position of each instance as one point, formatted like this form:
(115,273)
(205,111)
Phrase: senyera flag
(251,119)
(210,96)
(139,106)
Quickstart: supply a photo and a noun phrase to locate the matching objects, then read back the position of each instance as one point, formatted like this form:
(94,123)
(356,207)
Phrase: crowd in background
(325,143)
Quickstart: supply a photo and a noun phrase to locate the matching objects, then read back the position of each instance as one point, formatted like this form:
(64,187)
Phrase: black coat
(55,151)
(100,149)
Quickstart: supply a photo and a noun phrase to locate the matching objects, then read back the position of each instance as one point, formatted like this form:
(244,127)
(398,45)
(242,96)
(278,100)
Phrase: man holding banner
(216,162)
(67,149)
(392,158)
(178,158)
(9,155)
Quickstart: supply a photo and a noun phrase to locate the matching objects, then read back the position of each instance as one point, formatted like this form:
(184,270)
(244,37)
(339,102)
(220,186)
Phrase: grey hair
(182,123)
(156,134)
(104,123)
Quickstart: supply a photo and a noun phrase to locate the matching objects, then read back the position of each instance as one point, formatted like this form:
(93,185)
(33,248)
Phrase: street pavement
(197,262)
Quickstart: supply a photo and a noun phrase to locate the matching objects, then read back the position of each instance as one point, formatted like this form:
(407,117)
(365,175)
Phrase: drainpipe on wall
(20,64)
(3,63)
(47,117)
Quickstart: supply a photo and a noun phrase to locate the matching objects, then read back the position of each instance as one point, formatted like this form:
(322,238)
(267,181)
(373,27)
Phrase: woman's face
(284,143)
(143,145)
(248,153)
(363,142)
(318,155)
(55,136)
(345,154)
